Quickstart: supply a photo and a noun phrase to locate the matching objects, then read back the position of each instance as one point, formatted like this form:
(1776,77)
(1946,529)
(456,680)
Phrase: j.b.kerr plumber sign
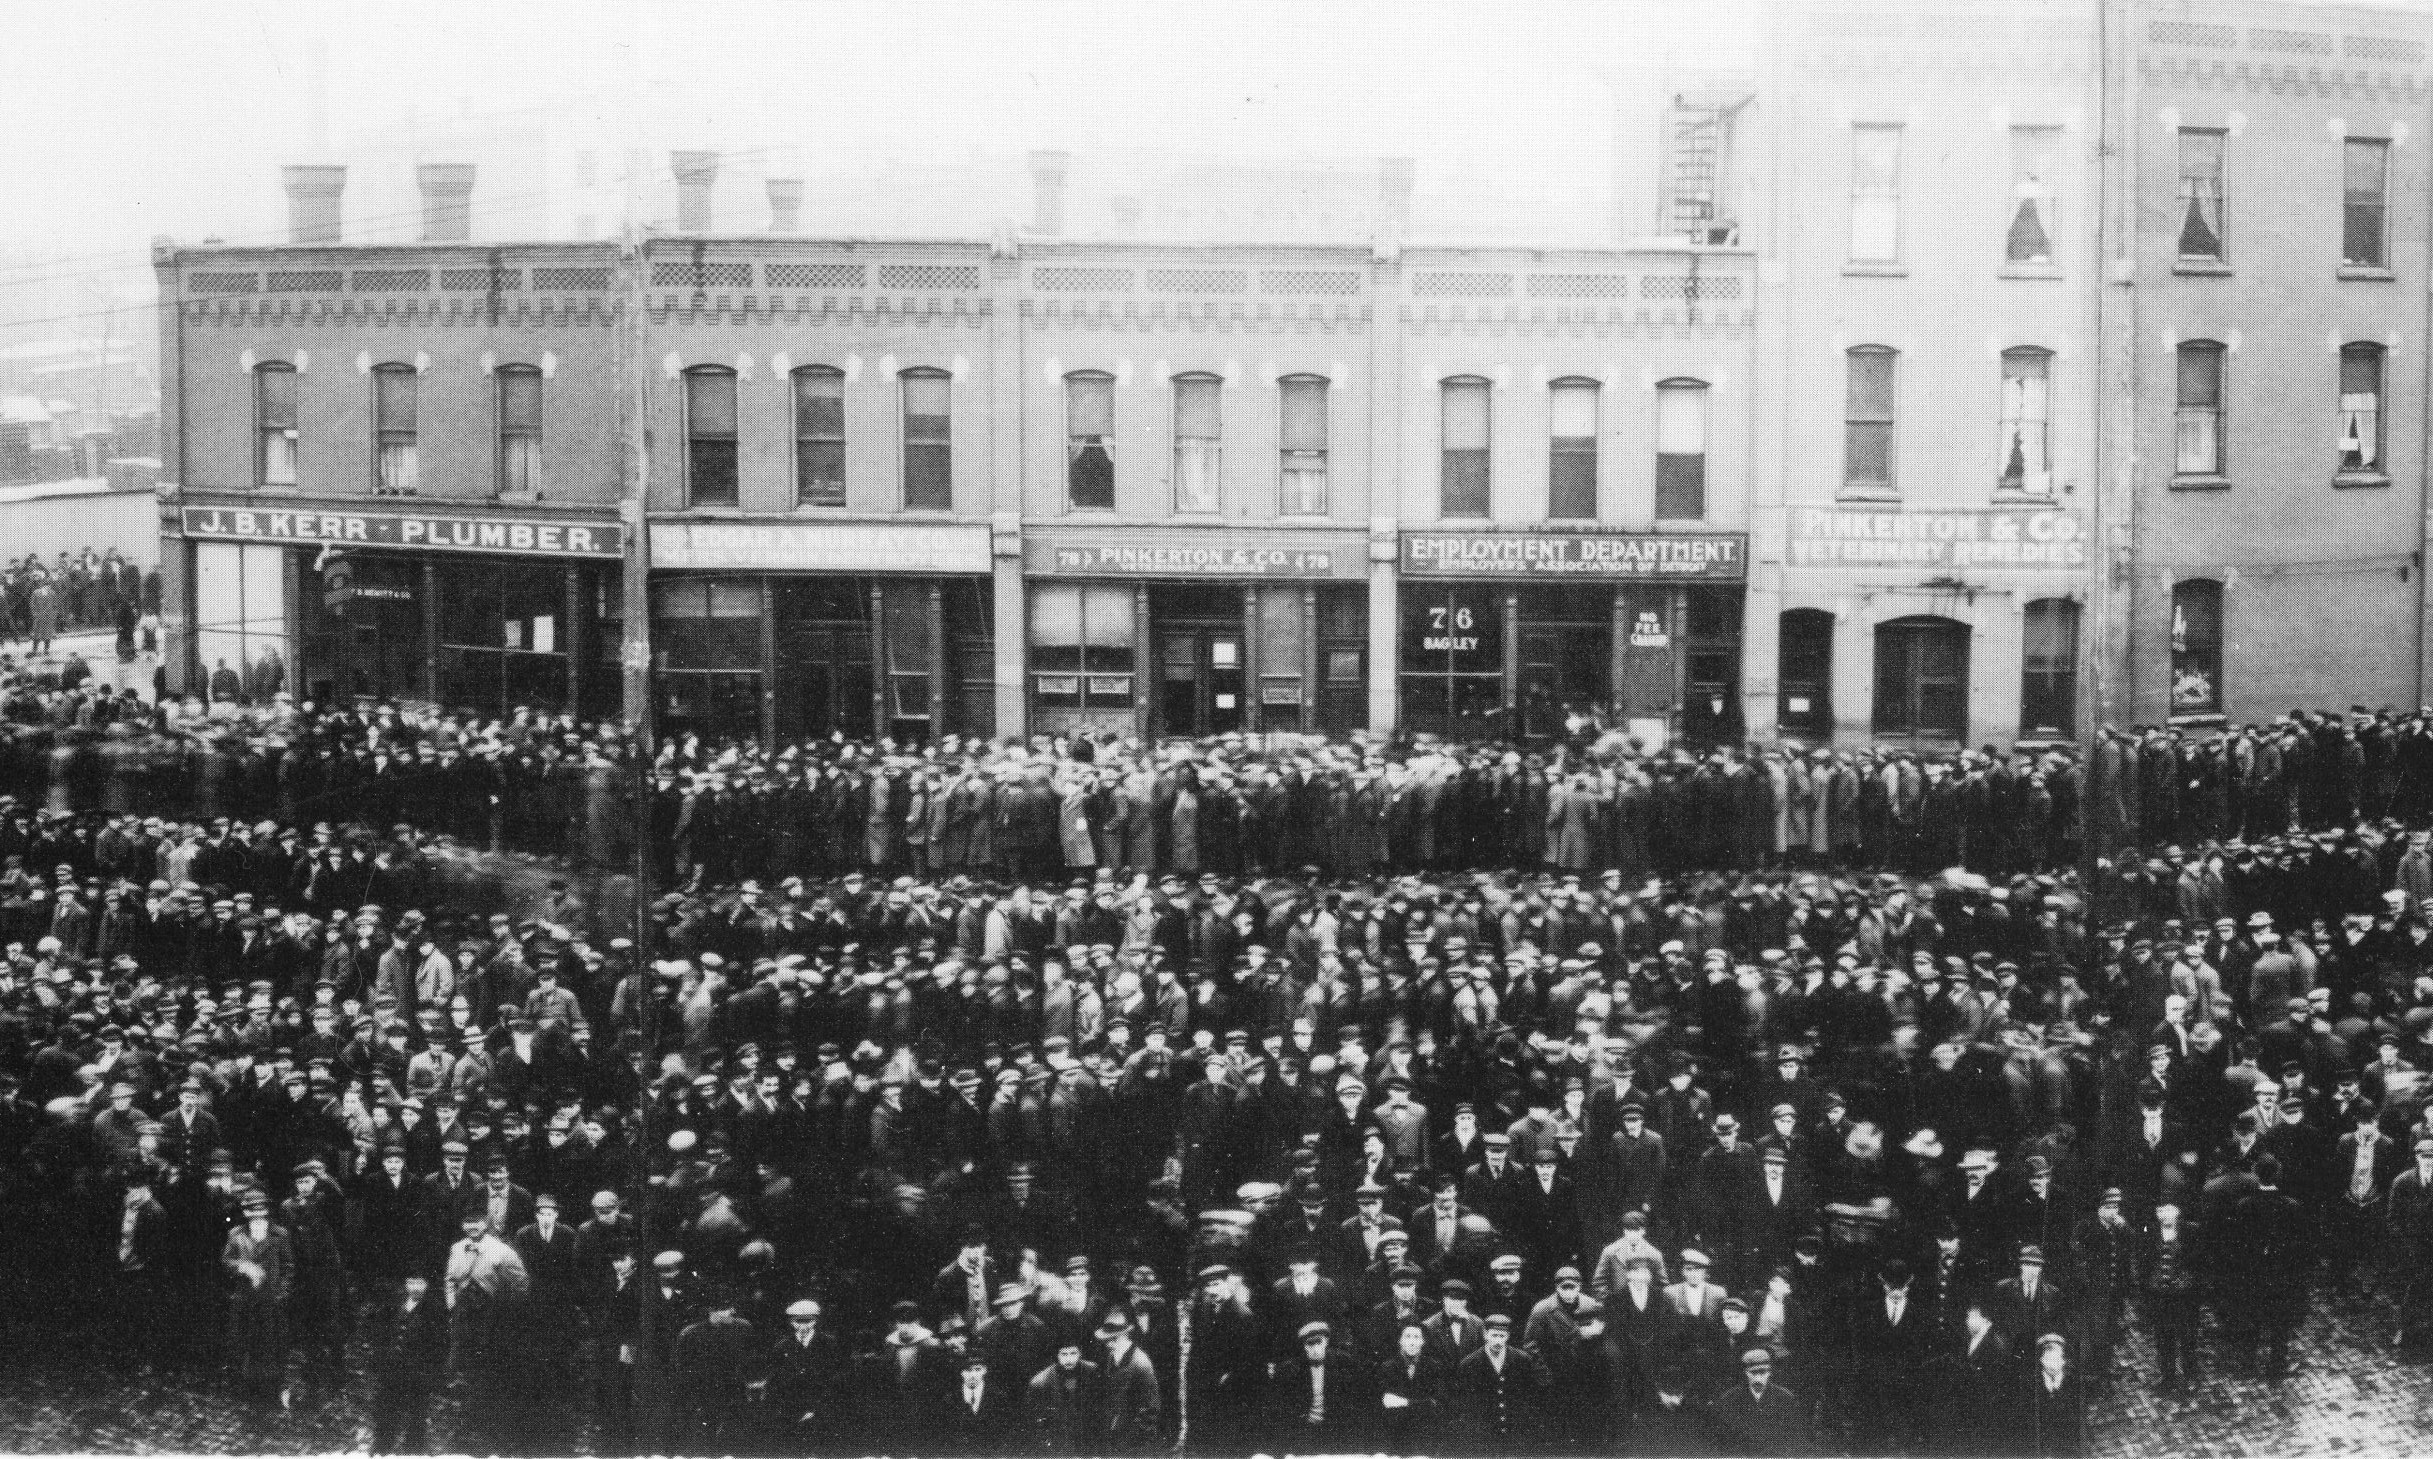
(439,531)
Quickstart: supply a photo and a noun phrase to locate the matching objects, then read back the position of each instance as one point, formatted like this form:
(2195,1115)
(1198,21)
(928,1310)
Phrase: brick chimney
(312,202)
(1047,192)
(695,173)
(785,204)
(1393,197)
(447,201)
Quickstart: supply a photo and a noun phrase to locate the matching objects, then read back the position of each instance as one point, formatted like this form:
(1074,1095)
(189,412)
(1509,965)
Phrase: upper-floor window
(1089,433)
(1867,419)
(1571,475)
(1301,446)
(2361,410)
(819,436)
(2024,453)
(274,420)
(2200,450)
(2364,198)
(2202,193)
(1875,193)
(1681,424)
(929,476)
(2035,166)
(709,436)
(519,428)
(2196,647)
(1199,443)
(1463,488)
(395,393)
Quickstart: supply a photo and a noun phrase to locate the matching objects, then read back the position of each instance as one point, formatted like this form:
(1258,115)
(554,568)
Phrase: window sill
(1875,270)
(822,507)
(1302,519)
(2360,479)
(2200,483)
(2202,268)
(2364,274)
(2028,271)
(2015,496)
(1867,494)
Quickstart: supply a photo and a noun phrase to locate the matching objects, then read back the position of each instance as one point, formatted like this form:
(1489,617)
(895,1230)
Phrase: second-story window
(274,415)
(2035,163)
(395,389)
(1875,194)
(519,429)
(1867,421)
(2365,180)
(1463,489)
(2022,456)
(929,461)
(1681,451)
(1571,477)
(2361,411)
(2200,409)
(709,437)
(1089,427)
(819,436)
(2201,193)
(1198,443)
(1301,445)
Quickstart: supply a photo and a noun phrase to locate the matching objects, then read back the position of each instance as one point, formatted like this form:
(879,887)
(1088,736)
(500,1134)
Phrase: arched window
(929,462)
(274,423)
(1921,680)
(1867,420)
(2048,670)
(1301,445)
(1089,440)
(1681,427)
(2196,647)
(396,392)
(519,429)
(2024,454)
(1199,443)
(709,436)
(819,436)
(1463,486)
(2201,442)
(2361,412)
(1804,673)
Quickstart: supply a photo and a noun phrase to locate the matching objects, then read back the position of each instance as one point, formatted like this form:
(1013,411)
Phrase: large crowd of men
(1075,1125)
(72,593)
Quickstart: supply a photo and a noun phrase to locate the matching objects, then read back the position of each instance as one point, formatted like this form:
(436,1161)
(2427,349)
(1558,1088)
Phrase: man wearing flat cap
(1498,1394)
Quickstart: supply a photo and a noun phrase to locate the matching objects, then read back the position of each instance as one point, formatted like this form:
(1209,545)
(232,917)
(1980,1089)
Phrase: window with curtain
(1464,487)
(395,395)
(1867,420)
(2023,453)
(2361,410)
(519,428)
(709,436)
(819,436)
(1301,446)
(2200,409)
(2035,164)
(1198,443)
(929,478)
(1875,193)
(274,416)
(2048,690)
(2365,183)
(1681,416)
(2201,192)
(2196,647)
(1089,424)
(1571,474)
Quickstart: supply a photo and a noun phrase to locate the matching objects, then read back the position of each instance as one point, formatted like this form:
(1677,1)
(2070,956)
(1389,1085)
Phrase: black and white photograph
(788,728)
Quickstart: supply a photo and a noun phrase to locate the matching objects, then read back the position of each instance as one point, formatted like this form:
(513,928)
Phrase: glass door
(1921,680)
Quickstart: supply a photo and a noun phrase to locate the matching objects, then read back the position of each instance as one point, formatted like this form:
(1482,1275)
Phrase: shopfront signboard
(2007,539)
(1191,553)
(437,531)
(856,547)
(1667,556)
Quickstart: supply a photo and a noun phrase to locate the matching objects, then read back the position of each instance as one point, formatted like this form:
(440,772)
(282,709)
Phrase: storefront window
(1453,661)
(2196,647)
(1081,645)
(240,621)
(503,635)
(706,635)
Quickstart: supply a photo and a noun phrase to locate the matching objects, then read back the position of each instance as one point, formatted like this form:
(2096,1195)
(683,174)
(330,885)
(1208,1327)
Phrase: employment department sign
(442,531)
(2033,539)
(1709,556)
